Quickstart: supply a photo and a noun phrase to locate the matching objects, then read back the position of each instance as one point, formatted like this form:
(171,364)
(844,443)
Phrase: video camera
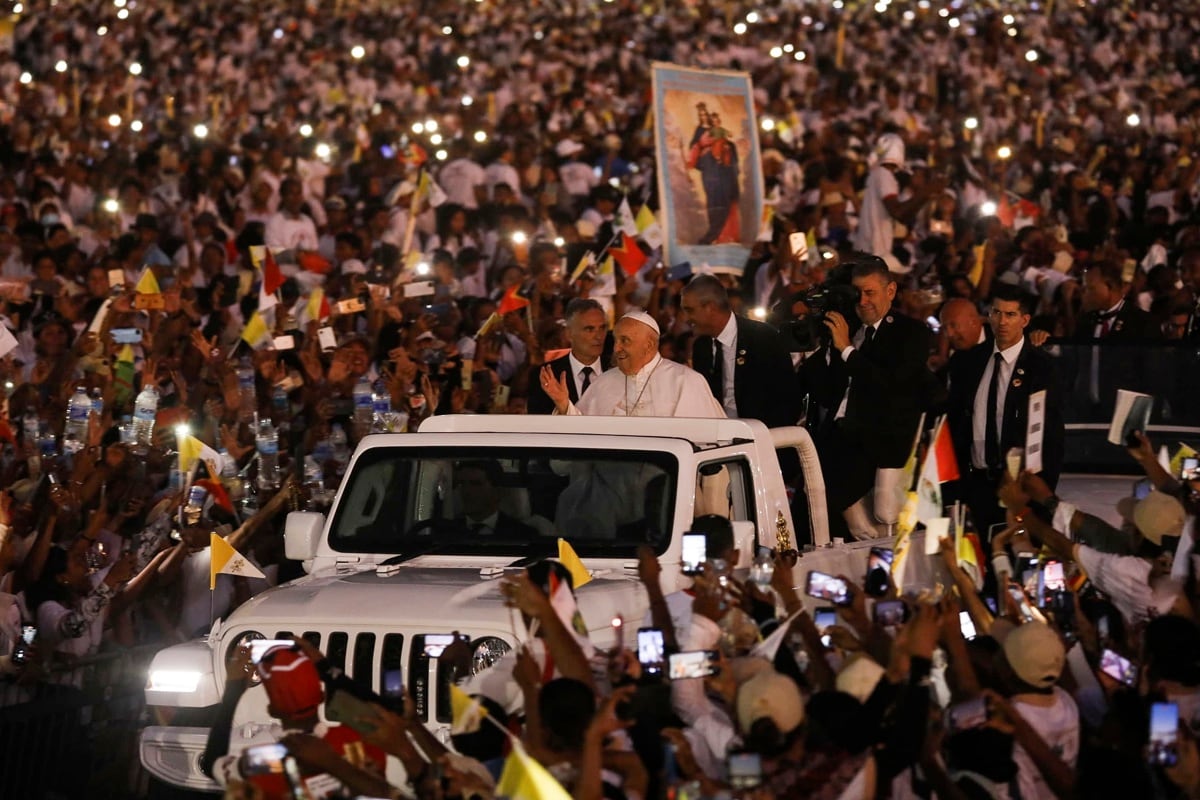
(804,332)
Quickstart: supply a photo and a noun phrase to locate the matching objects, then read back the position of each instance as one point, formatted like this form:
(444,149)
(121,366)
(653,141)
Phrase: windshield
(506,501)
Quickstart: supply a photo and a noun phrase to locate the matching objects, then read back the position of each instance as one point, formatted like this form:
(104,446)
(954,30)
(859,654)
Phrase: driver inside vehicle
(477,487)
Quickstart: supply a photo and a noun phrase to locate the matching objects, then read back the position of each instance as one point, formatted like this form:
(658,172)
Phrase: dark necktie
(991,447)
(868,335)
(716,378)
(586,372)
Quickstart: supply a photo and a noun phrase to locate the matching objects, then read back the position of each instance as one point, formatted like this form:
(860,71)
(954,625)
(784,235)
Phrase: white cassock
(660,389)
(603,498)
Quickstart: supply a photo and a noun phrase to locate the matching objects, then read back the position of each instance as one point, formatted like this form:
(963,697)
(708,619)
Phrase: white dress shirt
(728,340)
(1008,359)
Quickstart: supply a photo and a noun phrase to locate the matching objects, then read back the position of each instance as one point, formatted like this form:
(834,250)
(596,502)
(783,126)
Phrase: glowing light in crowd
(441,155)
(954,22)
(987,208)
(752,17)
(519,237)
(119,3)
(26,78)
(123,13)
(135,68)
(970,123)
(1012,32)
(277,33)
(467,100)
(435,139)
(943,12)
(787,48)
(18,8)
(306,130)
(323,151)
(61,66)
(776,51)
(102,30)
(739,28)
(200,131)
(111,205)
(182,431)
(1008,19)
(767,124)
(759,313)
(422,268)
(559,241)
(431,125)
(1133,120)
(800,55)
(463,62)
(1031,56)
(1004,152)
(418,128)
(114,120)
(480,137)
(358,51)
(136,126)
(447,30)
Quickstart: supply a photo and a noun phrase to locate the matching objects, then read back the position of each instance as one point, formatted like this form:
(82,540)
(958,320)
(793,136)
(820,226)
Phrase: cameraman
(871,385)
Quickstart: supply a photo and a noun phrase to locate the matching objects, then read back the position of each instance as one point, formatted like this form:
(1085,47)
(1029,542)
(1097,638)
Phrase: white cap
(353,266)
(890,149)
(645,319)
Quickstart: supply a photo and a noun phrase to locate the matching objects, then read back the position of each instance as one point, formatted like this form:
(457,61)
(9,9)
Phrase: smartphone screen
(967,714)
(259,647)
(1053,579)
(825,618)
(889,613)
(436,643)
(745,770)
(692,664)
(651,650)
(694,553)
(264,759)
(1117,667)
(826,587)
(1028,612)
(967,625)
(393,683)
(1189,469)
(1164,734)
(879,572)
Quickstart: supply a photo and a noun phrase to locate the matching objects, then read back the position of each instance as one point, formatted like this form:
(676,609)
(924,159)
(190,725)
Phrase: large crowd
(235,238)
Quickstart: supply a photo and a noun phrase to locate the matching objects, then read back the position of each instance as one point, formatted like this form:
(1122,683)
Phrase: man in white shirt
(463,181)
(290,229)
(881,205)
(644,383)
(587,328)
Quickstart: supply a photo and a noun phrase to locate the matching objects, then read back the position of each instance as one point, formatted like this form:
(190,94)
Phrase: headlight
(487,651)
(173,680)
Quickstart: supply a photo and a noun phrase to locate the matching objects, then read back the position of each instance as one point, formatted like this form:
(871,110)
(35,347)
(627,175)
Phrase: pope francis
(644,383)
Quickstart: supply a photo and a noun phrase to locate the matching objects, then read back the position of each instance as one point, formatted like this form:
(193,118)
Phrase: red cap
(292,683)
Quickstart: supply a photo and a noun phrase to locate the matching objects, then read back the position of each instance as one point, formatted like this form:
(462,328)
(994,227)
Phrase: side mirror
(301,533)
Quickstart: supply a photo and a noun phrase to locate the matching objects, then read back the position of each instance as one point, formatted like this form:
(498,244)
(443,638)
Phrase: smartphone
(1164,734)
(826,587)
(879,572)
(693,553)
(651,650)
(680,272)
(1190,469)
(286,342)
(1117,667)
(259,647)
(798,244)
(420,289)
(127,335)
(744,770)
(1028,612)
(263,759)
(341,706)
(890,613)
(23,648)
(692,664)
(825,618)
(436,643)
(967,715)
(1027,571)
(351,306)
(1053,579)
(327,338)
(967,625)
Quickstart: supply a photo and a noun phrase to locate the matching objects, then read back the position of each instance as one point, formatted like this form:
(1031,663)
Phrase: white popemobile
(402,555)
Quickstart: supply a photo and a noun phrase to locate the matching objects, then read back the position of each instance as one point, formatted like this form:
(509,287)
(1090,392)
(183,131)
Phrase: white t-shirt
(1058,725)
(459,180)
(874,234)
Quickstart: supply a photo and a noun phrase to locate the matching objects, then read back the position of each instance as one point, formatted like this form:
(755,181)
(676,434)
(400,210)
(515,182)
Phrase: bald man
(962,324)
(644,384)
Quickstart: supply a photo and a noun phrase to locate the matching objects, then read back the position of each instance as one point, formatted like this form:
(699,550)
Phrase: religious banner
(710,183)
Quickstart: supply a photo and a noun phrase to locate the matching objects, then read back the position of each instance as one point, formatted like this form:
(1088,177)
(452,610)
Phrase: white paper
(935,530)
(1035,428)
(8,342)
(418,289)
(285,343)
(327,338)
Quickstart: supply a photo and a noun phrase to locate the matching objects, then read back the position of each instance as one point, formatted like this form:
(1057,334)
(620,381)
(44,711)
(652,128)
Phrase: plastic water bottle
(381,408)
(281,410)
(145,408)
(246,391)
(97,401)
(268,455)
(341,452)
(128,432)
(76,428)
(314,483)
(364,406)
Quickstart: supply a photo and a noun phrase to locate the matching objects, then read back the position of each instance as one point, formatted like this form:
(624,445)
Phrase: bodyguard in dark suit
(747,367)
(587,327)
(1107,315)
(988,408)
(873,385)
